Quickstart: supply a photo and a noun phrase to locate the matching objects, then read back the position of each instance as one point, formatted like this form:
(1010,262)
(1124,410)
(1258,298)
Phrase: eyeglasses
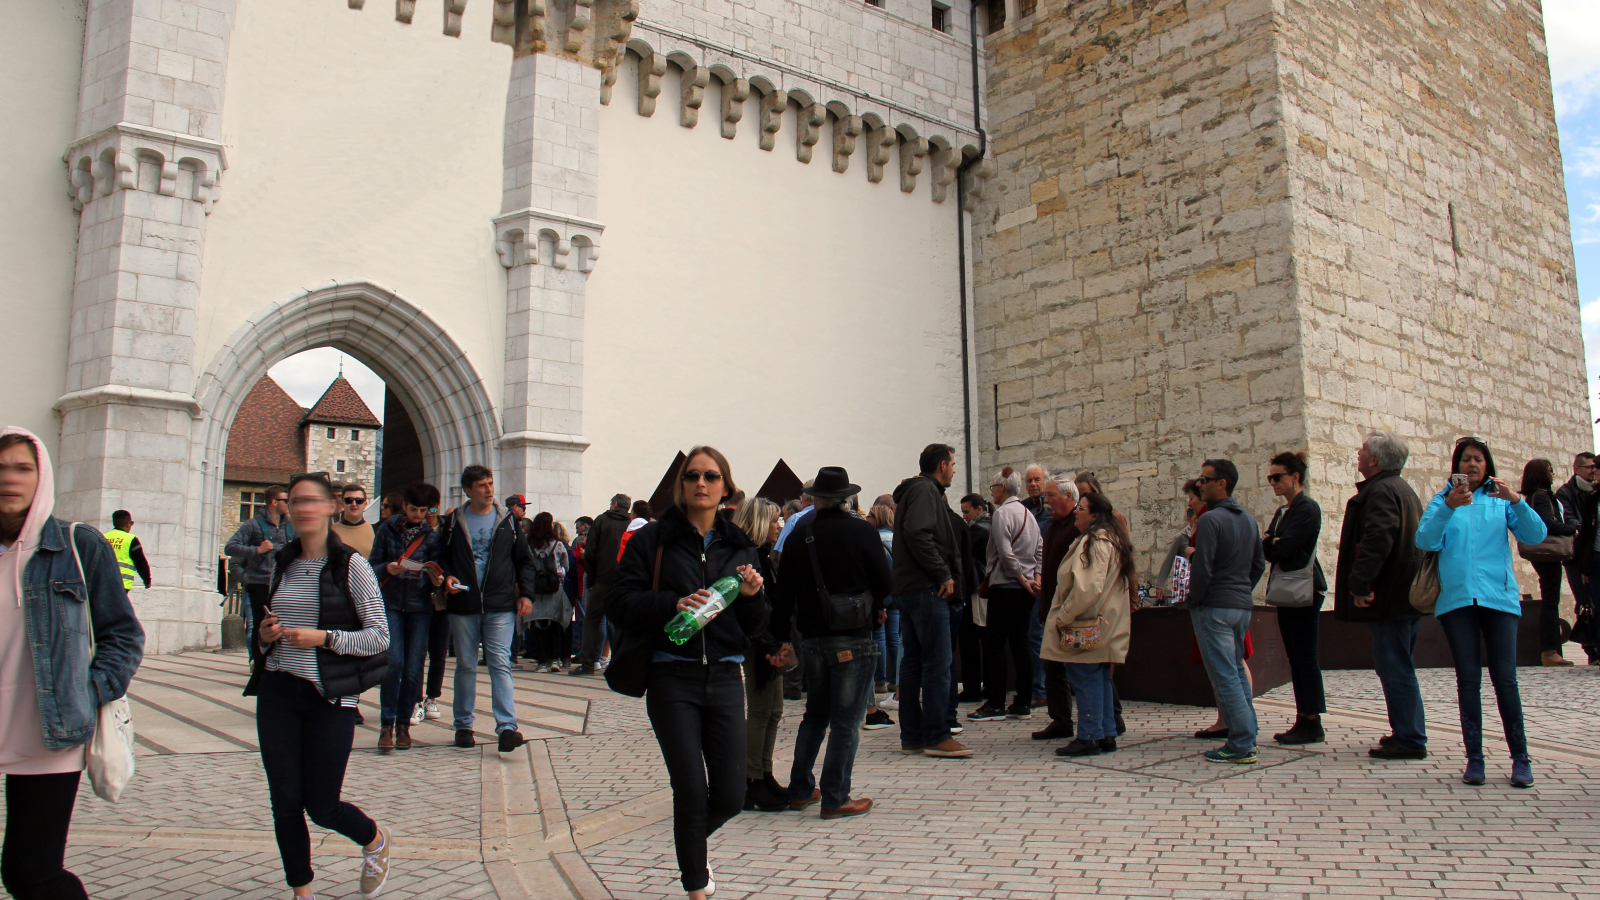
(354,501)
(690,476)
(1206,479)
(1471,440)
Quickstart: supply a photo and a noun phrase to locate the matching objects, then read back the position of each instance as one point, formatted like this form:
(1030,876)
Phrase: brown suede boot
(402,735)
(386,738)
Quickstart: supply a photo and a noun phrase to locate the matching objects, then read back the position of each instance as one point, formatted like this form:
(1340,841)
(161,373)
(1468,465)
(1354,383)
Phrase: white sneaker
(711,881)
(601,665)
(888,703)
(430,709)
(416,714)
(375,866)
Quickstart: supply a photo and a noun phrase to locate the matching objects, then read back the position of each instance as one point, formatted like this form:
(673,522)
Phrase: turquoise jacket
(1474,552)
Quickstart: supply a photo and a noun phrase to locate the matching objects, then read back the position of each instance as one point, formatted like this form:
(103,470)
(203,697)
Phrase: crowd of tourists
(1023,601)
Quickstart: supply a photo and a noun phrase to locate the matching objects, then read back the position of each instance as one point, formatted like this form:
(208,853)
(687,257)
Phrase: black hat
(832,481)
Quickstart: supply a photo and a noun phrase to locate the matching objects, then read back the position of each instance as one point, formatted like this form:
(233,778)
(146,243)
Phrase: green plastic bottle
(687,623)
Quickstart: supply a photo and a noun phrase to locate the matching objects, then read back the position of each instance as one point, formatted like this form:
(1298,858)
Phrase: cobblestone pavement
(584,811)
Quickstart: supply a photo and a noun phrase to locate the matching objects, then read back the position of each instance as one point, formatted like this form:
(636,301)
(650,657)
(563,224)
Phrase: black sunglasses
(353,501)
(690,476)
(1206,479)
(1274,477)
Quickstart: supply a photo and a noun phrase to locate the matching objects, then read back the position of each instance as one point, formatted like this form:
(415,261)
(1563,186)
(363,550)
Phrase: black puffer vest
(342,676)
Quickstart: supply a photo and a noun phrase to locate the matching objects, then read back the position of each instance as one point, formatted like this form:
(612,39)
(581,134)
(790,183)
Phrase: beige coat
(1086,590)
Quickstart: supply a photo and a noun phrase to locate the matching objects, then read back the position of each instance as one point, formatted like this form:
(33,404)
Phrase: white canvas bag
(109,756)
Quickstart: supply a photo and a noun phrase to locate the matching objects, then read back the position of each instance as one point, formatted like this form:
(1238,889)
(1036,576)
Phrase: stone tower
(1235,228)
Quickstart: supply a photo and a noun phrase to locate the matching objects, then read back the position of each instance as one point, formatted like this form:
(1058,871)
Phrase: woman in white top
(323,641)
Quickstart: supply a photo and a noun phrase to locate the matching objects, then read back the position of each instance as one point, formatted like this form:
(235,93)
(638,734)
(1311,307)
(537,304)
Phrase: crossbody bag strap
(655,577)
(88,606)
(403,557)
(816,567)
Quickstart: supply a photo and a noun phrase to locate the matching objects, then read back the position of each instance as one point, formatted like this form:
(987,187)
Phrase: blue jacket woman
(1466,525)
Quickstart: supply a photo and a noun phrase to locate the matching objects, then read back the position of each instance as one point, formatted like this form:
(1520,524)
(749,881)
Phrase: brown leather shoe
(1554,658)
(800,805)
(949,748)
(386,738)
(856,807)
(402,735)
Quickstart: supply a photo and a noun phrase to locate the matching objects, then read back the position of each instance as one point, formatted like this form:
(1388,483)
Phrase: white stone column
(144,172)
(549,241)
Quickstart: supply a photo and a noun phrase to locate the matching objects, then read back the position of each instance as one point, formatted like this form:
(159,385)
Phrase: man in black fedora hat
(831,584)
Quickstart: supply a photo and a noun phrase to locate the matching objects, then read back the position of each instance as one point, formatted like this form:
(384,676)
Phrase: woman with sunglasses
(323,641)
(1290,544)
(695,696)
(1466,525)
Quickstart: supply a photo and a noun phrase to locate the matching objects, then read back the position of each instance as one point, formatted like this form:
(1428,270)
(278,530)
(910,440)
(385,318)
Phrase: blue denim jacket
(72,687)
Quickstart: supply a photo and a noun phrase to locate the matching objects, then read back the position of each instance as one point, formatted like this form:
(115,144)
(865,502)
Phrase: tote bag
(109,756)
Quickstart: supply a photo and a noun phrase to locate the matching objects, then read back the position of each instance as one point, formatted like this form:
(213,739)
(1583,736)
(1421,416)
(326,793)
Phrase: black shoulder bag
(840,612)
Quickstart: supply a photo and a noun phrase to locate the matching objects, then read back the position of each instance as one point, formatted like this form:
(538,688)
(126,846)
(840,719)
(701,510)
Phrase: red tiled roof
(341,405)
(264,444)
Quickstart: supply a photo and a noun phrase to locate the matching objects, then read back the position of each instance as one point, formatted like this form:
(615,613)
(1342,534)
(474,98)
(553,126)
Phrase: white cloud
(306,375)
(1572,33)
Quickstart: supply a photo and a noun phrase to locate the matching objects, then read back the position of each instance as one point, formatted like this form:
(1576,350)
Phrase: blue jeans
(925,684)
(954,612)
(1462,627)
(1091,682)
(494,631)
(1220,633)
(836,700)
(1393,643)
(1035,642)
(408,646)
(888,638)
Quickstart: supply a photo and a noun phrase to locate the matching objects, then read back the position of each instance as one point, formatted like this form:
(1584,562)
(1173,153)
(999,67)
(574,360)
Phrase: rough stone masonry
(1236,228)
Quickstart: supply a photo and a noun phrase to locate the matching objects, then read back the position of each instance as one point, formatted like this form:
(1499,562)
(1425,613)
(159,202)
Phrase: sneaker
(1395,751)
(510,739)
(877,720)
(1474,773)
(949,749)
(711,881)
(386,737)
(465,737)
(1019,711)
(1238,757)
(430,709)
(375,866)
(954,725)
(416,714)
(582,670)
(553,669)
(1553,658)
(1079,747)
(985,713)
(1522,773)
(856,807)
(605,661)
(889,703)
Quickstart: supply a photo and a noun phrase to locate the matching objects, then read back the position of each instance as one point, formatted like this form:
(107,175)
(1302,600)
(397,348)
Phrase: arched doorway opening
(430,378)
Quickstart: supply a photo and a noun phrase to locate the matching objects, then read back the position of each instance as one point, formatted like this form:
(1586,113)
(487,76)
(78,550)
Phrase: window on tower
(941,17)
(355,434)
(332,432)
(338,465)
(994,12)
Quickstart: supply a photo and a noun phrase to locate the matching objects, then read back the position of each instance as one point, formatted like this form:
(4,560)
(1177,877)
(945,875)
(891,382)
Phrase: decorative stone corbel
(538,20)
(651,69)
(810,131)
(734,94)
(404,10)
(615,20)
(169,179)
(845,132)
(880,143)
(504,29)
(453,10)
(577,23)
(695,81)
(945,163)
(912,155)
(977,178)
(519,234)
(186,167)
(115,174)
(773,106)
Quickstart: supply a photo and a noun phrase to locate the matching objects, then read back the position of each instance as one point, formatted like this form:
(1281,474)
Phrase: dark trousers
(925,664)
(1463,627)
(256,597)
(971,659)
(697,711)
(544,642)
(1580,599)
(305,745)
(837,701)
(1009,609)
(1299,627)
(594,616)
(438,652)
(1549,605)
(408,643)
(1058,694)
(38,814)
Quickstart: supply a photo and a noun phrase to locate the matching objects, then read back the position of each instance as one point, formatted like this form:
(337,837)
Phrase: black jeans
(1299,627)
(38,814)
(1058,694)
(305,744)
(438,652)
(970,660)
(1009,608)
(257,596)
(544,642)
(1549,605)
(697,712)
(1462,628)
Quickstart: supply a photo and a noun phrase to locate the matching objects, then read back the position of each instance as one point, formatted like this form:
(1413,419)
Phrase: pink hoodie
(22,749)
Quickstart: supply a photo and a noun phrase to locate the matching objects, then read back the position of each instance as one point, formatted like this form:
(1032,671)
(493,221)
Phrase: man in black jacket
(927,575)
(486,562)
(835,554)
(1578,498)
(1378,561)
(601,546)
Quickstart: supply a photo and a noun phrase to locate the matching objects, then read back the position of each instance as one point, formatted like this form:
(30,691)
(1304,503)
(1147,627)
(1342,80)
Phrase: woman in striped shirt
(324,641)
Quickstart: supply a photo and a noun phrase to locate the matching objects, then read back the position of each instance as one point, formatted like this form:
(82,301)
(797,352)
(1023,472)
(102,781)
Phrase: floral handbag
(1083,637)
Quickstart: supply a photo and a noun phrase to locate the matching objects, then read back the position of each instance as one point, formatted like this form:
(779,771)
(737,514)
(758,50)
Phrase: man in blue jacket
(1225,565)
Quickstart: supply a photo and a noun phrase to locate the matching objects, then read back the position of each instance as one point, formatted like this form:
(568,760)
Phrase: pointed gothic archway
(455,421)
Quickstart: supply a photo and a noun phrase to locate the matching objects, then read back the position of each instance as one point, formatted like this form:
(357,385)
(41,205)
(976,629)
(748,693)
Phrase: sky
(306,375)
(1572,33)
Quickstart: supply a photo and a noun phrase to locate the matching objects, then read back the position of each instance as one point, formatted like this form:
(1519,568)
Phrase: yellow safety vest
(121,543)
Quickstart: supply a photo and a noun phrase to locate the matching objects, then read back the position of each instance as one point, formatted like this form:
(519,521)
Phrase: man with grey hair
(1013,576)
(1378,561)
(1033,481)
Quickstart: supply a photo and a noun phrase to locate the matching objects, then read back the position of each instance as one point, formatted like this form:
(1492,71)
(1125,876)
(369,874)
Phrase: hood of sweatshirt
(1227,503)
(44,503)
